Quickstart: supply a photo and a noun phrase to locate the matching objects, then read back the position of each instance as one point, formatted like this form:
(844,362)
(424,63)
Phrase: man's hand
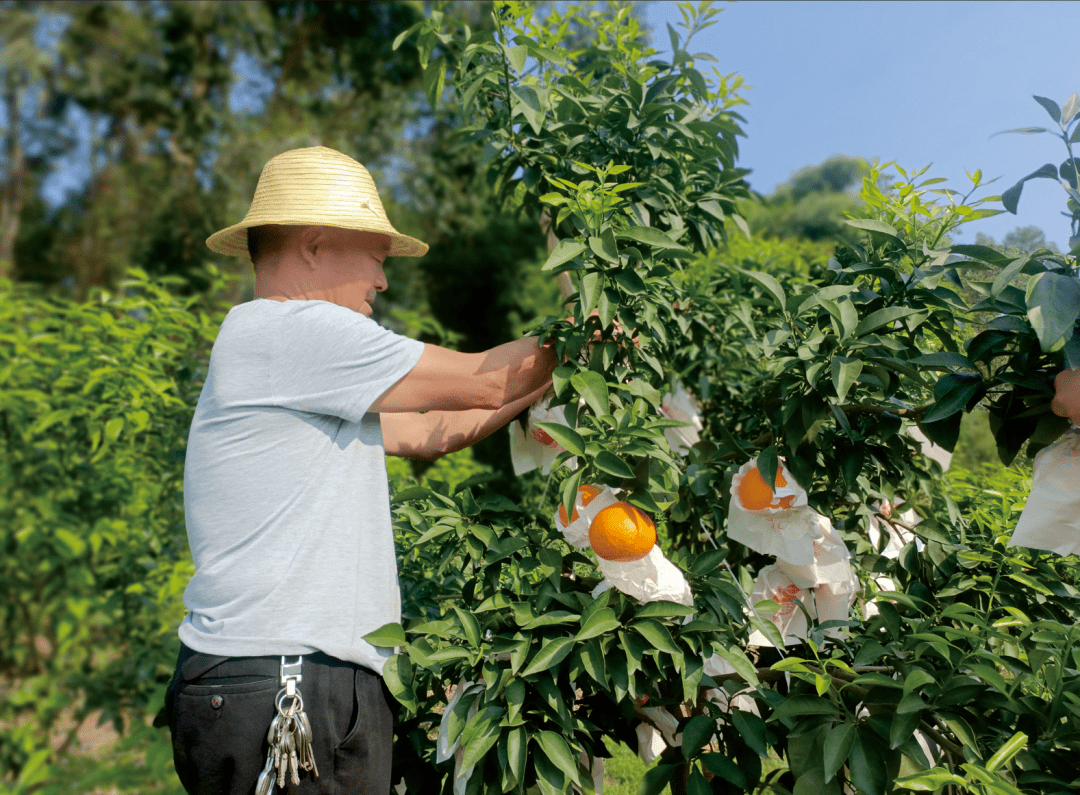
(1067,395)
(596,334)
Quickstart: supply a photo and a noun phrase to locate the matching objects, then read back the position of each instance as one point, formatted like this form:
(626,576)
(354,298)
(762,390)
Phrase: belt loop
(290,674)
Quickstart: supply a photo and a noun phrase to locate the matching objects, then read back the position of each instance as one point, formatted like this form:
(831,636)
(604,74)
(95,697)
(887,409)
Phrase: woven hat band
(317,186)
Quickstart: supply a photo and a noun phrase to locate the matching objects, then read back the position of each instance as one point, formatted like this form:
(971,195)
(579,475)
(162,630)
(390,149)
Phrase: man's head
(308,262)
(316,229)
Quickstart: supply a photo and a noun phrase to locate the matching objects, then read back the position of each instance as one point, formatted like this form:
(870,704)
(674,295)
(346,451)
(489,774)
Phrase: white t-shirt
(285,489)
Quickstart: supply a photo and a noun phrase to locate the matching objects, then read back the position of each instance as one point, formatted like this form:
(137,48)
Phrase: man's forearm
(456,430)
(519,368)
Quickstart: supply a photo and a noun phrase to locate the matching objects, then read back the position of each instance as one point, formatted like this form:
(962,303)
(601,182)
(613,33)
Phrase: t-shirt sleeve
(332,360)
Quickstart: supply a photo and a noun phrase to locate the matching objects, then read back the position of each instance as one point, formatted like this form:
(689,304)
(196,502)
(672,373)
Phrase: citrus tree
(961,677)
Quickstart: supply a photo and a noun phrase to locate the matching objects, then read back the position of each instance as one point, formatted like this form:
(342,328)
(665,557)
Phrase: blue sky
(914,82)
(911,82)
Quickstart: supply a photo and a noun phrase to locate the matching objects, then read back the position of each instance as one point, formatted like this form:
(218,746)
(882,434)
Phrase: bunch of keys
(289,736)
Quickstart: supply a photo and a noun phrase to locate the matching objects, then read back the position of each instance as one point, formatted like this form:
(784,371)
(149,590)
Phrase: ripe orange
(622,532)
(755,494)
(588,493)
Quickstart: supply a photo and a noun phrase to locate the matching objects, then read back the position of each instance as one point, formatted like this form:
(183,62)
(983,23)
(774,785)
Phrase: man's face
(351,264)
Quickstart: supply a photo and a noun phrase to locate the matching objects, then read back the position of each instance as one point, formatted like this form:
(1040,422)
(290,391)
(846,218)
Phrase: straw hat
(317,186)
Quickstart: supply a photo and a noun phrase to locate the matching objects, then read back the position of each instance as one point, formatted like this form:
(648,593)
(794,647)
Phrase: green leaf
(1007,274)
(931,780)
(1053,304)
(953,393)
(768,463)
(696,734)
(1031,583)
(649,236)
(1051,107)
(868,773)
(517,56)
(876,227)
(556,749)
(770,284)
(1070,108)
(612,464)
(738,660)
(663,608)
(656,778)
(529,106)
(960,729)
(598,623)
(803,705)
(696,784)
(387,636)
(591,289)
(516,740)
(566,437)
(837,747)
(903,725)
(592,657)
(470,626)
(845,372)
(591,386)
(657,635)
(1011,198)
(73,542)
(659,86)
(720,765)
(405,34)
(943,359)
(398,676)
(565,251)
(549,655)
(1013,745)
(629,281)
(480,734)
(434,78)
(604,247)
(113,428)
(515,697)
(882,317)
(753,731)
(548,776)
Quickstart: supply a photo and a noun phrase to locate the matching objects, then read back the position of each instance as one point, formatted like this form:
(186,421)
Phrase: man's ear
(309,240)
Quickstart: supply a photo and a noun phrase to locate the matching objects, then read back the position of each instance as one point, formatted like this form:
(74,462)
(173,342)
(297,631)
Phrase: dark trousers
(220,708)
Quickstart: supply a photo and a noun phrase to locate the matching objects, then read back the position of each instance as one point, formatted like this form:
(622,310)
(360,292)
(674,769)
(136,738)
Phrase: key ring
(298,701)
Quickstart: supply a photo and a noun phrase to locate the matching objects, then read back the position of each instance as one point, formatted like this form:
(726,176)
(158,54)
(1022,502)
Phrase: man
(1066,401)
(285,487)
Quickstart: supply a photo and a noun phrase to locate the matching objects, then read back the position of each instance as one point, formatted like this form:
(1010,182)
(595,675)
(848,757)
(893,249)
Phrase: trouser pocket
(219,734)
(363,757)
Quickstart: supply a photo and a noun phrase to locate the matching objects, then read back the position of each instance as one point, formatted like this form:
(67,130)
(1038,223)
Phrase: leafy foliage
(95,409)
(824,364)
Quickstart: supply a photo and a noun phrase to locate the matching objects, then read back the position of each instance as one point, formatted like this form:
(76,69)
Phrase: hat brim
(232,241)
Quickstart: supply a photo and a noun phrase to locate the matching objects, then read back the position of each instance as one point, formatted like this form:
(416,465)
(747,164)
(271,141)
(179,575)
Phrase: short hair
(265,239)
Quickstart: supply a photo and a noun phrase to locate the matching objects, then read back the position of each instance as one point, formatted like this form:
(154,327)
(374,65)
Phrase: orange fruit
(755,494)
(622,532)
(588,493)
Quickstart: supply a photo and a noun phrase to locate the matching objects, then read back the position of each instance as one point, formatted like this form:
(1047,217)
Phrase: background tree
(812,203)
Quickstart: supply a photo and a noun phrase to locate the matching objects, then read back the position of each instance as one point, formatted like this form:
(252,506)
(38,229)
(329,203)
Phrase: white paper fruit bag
(681,405)
(931,450)
(590,501)
(832,561)
(784,526)
(772,584)
(1051,517)
(534,448)
(654,578)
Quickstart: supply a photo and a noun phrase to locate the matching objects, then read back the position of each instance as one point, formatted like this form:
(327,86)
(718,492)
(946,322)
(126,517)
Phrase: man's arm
(434,434)
(1067,395)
